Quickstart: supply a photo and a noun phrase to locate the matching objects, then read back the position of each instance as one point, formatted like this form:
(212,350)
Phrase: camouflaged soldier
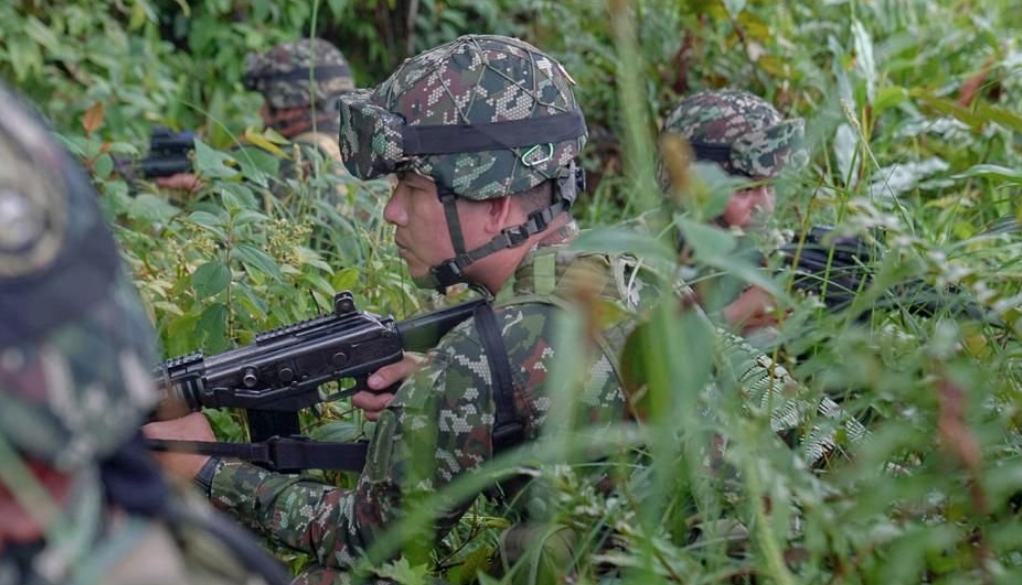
(80,501)
(743,134)
(748,138)
(483,133)
(300,82)
(303,111)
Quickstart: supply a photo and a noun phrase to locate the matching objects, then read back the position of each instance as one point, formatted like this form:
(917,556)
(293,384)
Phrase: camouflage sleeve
(437,427)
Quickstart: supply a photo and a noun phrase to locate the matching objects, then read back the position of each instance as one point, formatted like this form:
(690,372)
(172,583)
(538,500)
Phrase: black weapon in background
(168,155)
(840,270)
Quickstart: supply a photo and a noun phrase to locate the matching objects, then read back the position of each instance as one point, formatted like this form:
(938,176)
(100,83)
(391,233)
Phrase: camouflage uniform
(440,424)
(75,356)
(446,413)
(282,76)
(748,137)
(739,131)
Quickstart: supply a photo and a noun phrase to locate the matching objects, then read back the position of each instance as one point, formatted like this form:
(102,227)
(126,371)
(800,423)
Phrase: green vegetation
(914,117)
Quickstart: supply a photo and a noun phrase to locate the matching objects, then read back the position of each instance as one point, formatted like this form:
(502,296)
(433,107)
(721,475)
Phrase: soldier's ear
(499,212)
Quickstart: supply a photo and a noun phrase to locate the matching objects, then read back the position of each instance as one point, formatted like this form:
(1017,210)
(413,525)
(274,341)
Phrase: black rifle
(836,271)
(282,372)
(168,155)
(837,268)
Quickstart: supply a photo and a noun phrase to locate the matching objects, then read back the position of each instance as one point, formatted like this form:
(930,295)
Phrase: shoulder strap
(327,144)
(284,454)
(507,429)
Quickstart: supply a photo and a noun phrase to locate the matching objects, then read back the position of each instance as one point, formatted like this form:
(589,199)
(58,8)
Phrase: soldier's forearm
(294,512)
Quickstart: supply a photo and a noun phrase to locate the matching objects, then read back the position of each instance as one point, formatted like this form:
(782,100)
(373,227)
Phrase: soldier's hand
(186,181)
(193,427)
(383,382)
(753,310)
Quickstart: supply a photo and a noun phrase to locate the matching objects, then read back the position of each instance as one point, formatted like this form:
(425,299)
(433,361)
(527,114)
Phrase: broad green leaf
(249,216)
(864,61)
(336,432)
(257,259)
(618,240)
(206,219)
(713,247)
(257,166)
(152,208)
(846,142)
(103,166)
(1005,174)
(319,283)
(403,572)
(253,303)
(211,278)
(181,335)
(345,279)
(212,327)
(707,241)
(1005,117)
(716,188)
(889,97)
(211,163)
(237,197)
(75,144)
(948,107)
(262,142)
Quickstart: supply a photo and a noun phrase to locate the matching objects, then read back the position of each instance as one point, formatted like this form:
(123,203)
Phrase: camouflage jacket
(765,384)
(439,424)
(134,550)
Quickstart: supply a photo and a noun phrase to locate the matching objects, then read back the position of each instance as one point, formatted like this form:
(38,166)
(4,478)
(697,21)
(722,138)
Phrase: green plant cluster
(914,121)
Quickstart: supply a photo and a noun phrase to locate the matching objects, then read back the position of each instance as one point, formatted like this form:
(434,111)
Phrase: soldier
(80,500)
(304,112)
(483,133)
(750,139)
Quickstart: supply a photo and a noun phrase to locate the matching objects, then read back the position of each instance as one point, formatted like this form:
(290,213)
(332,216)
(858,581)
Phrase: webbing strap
(508,431)
(303,74)
(506,135)
(718,153)
(450,271)
(450,203)
(284,454)
(544,273)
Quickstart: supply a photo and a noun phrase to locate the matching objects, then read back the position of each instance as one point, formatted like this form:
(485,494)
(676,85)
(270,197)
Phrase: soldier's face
(18,525)
(745,204)
(420,226)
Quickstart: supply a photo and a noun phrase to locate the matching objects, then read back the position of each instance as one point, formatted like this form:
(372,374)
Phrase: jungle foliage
(915,127)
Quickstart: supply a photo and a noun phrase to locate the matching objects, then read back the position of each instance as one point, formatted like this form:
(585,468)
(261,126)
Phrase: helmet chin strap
(452,271)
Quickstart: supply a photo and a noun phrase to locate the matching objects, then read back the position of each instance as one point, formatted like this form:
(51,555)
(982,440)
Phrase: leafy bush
(914,122)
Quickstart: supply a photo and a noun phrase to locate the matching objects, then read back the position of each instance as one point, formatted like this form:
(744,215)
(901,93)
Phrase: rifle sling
(283,454)
(507,429)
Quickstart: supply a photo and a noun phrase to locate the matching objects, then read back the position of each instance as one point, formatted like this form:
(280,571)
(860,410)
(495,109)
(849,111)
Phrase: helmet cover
(740,131)
(282,74)
(483,116)
(75,343)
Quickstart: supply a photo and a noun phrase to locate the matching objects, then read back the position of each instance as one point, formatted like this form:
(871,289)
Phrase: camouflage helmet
(741,132)
(282,74)
(484,116)
(75,343)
